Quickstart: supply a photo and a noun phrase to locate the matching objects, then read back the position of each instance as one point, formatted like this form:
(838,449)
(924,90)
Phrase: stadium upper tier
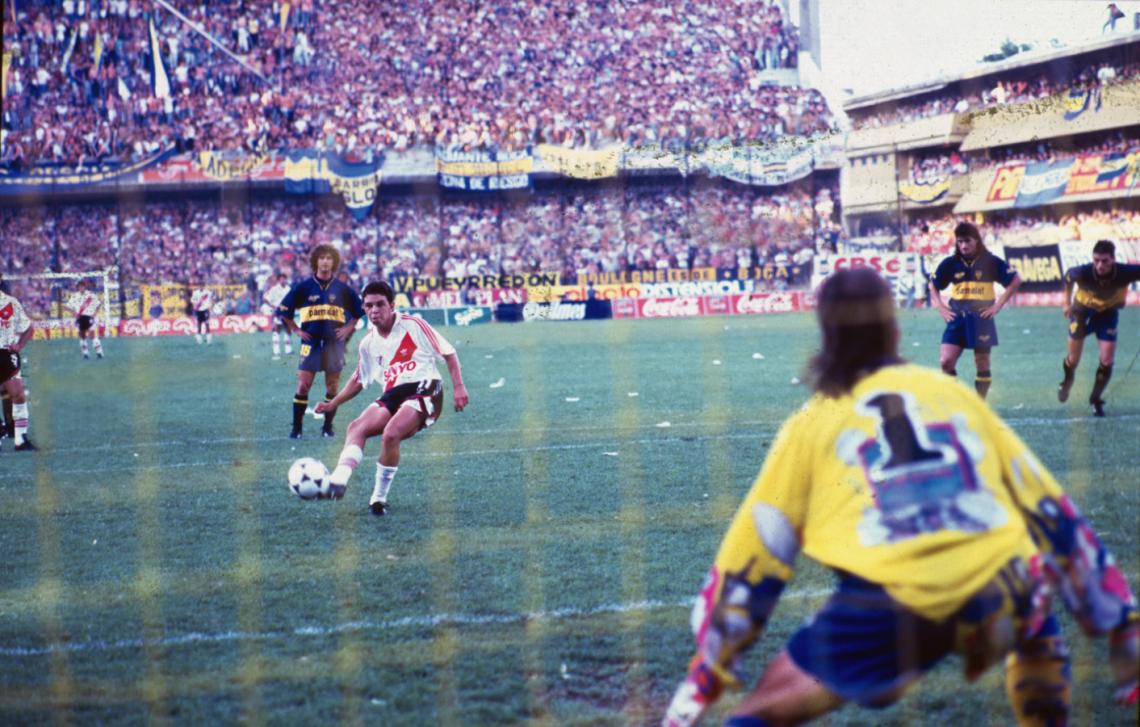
(361,77)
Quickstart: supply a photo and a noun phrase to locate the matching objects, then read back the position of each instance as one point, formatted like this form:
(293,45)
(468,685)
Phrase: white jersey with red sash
(84,303)
(407,354)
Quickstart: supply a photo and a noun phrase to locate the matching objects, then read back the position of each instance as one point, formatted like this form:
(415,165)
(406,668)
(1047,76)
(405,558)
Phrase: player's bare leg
(984,378)
(1103,374)
(404,424)
(370,423)
(1069,366)
(301,401)
(786,695)
(948,355)
(332,381)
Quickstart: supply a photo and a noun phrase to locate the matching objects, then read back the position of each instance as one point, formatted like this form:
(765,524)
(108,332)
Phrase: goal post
(45,295)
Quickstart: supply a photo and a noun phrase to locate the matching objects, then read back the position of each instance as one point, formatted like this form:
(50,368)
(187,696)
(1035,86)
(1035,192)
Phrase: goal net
(51,298)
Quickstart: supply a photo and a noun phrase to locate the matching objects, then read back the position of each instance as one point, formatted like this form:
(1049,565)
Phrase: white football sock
(20,419)
(98,344)
(276,343)
(209,338)
(83,345)
(350,457)
(198,337)
(384,477)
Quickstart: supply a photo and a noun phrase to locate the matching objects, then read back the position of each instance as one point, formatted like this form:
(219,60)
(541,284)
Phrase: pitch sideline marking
(428,621)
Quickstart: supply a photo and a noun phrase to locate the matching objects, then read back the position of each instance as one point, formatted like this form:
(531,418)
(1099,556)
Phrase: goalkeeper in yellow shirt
(946,533)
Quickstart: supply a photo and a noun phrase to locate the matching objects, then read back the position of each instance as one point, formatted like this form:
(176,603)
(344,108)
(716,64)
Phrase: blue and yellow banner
(484,170)
(924,193)
(309,171)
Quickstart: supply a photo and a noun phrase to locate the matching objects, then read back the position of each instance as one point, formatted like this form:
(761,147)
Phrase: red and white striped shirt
(84,303)
(408,353)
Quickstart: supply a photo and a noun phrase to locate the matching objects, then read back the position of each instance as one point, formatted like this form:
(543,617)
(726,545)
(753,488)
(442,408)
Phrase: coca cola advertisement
(713,305)
(761,303)
(669,307)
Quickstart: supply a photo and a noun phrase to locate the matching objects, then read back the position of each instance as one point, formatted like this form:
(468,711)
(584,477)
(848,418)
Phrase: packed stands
(1019,87)
(502,75)
(569,232)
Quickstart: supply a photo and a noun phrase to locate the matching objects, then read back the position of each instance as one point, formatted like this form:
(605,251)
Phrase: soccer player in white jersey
(399,353)
(15,332)
(202,300)
(272,299)
(85,304)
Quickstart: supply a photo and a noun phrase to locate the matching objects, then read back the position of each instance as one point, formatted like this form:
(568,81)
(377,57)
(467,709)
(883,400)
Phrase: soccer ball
(309,479)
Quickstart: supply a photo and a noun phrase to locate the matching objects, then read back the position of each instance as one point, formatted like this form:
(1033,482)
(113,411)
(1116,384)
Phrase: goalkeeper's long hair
(859,333)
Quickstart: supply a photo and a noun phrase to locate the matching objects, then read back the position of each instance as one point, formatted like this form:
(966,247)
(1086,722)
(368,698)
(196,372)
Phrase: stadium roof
(981,70)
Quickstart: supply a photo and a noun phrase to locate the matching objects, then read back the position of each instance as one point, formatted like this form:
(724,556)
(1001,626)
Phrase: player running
(946,533)
(1101,287)
(971,271)
(85,304)
(399,353)
(329,310)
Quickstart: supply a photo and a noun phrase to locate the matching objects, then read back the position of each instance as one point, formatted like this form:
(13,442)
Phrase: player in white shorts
(399,353)
(202,300)
(273,298)
(85,305)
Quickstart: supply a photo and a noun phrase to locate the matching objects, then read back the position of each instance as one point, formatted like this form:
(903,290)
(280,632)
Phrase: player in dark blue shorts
(1101,288)
(328,310)
(971,272)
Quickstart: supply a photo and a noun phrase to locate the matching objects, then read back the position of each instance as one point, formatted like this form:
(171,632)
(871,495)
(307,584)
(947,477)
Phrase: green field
(541,550)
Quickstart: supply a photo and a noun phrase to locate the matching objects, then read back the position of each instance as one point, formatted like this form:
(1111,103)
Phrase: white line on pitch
(174,443)
(427,621)
(124,468)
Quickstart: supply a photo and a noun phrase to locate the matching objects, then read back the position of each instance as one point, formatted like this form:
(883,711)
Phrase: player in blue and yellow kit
(328,310)
(946,534)
(1101,289)
(971,272)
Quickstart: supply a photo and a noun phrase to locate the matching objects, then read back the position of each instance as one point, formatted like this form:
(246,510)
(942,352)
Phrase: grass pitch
(542,547)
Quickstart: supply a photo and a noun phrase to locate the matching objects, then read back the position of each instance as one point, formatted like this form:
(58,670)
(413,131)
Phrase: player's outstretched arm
(753,564)
(460,391)
(1075,560)
(348,391)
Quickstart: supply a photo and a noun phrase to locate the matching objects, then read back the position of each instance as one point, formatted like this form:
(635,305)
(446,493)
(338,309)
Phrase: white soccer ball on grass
(309,479)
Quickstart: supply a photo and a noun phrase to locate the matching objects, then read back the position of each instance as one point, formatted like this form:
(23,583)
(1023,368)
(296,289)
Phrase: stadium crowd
(709,224)
(500,75)
(1035,85)
(935,235)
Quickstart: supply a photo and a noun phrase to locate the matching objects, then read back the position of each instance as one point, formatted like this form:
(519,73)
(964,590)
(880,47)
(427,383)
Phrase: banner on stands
(484,170)
(308,171)
(903,270)
(217,166)
(581,163)
(758,165)
(52,177)
(1040,267)
(924,192)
